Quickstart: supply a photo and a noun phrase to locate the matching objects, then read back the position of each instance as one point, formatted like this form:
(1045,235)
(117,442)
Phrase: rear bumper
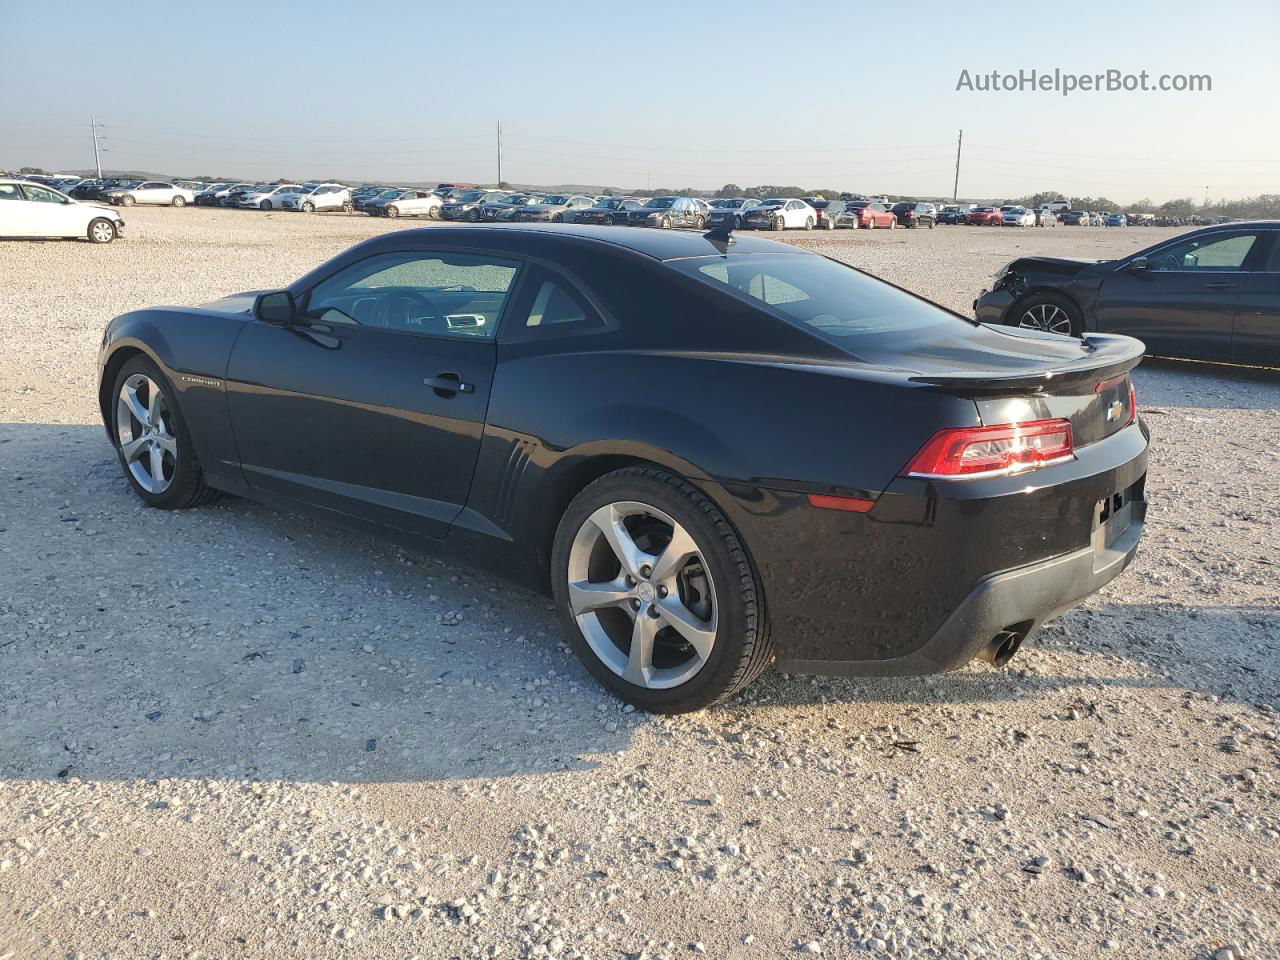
(926,579)
(1018,601)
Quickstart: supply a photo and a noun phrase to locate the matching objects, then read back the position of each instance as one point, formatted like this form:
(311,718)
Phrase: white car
(423,204)
(781,213)
(318,196)
(1018,217)
(155,192)
(269,198)
(34,210)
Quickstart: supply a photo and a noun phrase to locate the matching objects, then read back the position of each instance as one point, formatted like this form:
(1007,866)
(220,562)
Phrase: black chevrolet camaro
(1211,294)
(712,453)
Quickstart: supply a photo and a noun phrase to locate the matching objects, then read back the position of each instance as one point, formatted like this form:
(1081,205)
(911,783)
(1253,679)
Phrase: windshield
(128,183)
(473,196)
(773,203)
(556,201)
(660,203)
(389,193)
(832,299)
(732,204)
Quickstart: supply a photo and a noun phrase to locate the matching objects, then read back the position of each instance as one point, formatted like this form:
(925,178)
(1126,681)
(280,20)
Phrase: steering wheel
(396,310)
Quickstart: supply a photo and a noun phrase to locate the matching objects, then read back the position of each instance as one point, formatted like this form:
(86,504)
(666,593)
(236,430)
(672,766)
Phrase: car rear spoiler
(1107,356)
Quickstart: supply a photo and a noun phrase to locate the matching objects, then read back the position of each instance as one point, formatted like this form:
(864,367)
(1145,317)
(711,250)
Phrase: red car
(984,217)
(866,214)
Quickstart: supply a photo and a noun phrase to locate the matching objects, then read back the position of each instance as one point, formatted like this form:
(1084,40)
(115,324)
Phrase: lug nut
(662,591)
(631,581)
(646,571)
(635,604)
(653,612)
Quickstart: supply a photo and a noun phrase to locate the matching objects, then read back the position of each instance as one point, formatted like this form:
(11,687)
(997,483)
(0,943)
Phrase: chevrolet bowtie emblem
(1114,409)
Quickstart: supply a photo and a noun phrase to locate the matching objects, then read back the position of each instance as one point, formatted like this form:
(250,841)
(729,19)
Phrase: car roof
(657,244)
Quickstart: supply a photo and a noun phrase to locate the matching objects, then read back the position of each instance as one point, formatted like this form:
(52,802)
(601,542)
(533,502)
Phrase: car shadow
(234,641)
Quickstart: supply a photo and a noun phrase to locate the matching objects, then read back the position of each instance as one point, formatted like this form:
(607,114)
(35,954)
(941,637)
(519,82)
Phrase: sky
(846,95)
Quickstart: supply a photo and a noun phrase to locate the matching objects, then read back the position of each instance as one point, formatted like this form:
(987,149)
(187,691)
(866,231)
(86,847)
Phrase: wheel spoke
(132,449)
(157,465)
(609,521)
(135,406)
(154,416)
(168,444)
(640,657)
(674,555)
(585,596)
(699,633)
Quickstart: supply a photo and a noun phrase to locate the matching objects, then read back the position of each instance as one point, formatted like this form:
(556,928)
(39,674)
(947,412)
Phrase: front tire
(433,213)
(265,205)
(179,201)
(101,230)
(308,207)
(1048,312)
(152,440)
(657,592)
(779,224)
(392,211)
(127,201)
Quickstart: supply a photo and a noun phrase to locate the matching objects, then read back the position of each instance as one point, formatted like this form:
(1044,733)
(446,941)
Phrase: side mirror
(277,307)
(1139,265)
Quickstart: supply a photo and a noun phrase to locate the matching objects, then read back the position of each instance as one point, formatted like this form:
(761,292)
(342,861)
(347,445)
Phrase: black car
(466,206)
(952,214)
(710,452)
(1075,218)
(668,212)
(1212,294)
(829,212)
(915,214)
(606,212)
(730,211)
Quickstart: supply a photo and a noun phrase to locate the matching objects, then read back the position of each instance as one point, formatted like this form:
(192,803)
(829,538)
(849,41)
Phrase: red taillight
(970,452)
(849,504)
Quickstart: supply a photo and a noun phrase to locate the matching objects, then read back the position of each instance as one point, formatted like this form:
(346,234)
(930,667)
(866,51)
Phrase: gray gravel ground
(232,733)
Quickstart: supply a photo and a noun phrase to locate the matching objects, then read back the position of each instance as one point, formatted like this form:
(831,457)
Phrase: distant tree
(1041,198)
(729,190)
(33,171)
(1182,207)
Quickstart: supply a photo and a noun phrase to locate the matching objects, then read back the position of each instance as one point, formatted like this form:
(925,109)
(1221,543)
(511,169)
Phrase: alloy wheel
(145,435)
(1048,317)
(642,595)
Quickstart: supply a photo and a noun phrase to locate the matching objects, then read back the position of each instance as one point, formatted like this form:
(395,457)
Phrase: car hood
(235,303)
(1062,266)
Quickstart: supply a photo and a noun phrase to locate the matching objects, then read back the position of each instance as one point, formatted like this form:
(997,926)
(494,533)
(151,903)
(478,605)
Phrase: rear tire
(779,224)
(808,223)
(183,486)
(893,223)
(715,588)
(871,224)
(101,230)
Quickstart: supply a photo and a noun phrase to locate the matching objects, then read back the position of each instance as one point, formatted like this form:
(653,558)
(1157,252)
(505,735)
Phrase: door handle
(1220,285)
(449,385)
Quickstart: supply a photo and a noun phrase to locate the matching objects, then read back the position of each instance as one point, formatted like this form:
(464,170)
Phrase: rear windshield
(833,299)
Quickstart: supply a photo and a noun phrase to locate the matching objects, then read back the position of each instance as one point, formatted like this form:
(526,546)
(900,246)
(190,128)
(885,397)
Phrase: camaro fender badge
(1114,409)
(208,382)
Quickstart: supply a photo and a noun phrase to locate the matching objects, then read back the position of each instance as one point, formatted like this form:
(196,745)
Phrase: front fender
(191,347)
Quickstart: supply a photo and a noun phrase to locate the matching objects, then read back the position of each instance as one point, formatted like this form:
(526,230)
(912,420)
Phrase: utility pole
(499,153)
(955,190)
(97,161)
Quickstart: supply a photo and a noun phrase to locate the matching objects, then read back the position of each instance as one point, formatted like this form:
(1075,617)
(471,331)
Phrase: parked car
(466,206)
(693,534)
(504,207)
(268,198)
(781,213)
(211,195)
(233,196)
(1183,297)
(911,214)
(364,195)
(152,192)
(730,210)
(1116,220)
(866,214)
(984,217)
(551,208)
(606,212)
(86,190)
(410,203)
(34,210)
(1046,217)
(1018,217)
(318,197)
(952,213)
(1095,218)
(1075,218)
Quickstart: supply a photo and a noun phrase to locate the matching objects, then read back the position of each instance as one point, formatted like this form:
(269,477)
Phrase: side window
(1209,254)
(40,194)
(436,293)
(9,191)
(1273,262)
(549,305)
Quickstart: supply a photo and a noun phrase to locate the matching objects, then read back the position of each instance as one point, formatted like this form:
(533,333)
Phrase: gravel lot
(233,733)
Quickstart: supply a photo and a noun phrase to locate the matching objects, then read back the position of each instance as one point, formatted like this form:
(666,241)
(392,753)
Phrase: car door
(1183,304)
(1255,334)
(373,402)
(46,213)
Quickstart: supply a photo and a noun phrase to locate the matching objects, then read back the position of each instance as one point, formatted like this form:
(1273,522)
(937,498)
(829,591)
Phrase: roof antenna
(722,235)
